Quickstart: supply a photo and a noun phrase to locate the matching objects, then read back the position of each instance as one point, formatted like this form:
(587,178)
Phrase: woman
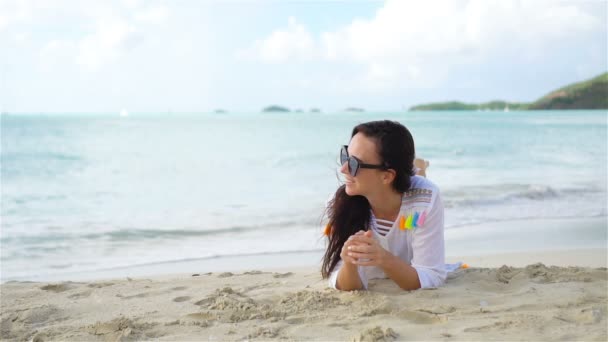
(385,221)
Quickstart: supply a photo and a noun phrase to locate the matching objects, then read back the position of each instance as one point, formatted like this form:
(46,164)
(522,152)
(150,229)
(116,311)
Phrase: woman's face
(366,181)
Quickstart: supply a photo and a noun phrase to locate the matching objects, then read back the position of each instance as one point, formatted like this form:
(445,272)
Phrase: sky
(60,56)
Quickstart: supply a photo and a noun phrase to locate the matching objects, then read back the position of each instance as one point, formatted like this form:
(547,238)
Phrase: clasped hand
(363,250)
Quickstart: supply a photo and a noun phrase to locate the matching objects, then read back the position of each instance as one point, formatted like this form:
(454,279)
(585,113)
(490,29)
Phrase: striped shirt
(382,227)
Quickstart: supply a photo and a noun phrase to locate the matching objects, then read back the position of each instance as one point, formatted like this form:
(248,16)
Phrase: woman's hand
(363,246)
(345,249)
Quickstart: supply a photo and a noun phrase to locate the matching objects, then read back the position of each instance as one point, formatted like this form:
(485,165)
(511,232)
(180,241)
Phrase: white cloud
(131,3)
(418,41)
(21,37)
(14,12)
(104,31)
(294,42)
(55,52)
(112,39)
(152,15)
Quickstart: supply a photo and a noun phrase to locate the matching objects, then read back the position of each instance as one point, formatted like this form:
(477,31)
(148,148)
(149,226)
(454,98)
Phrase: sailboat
(506,108)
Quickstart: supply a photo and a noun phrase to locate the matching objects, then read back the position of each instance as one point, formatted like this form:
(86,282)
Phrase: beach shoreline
(490,244)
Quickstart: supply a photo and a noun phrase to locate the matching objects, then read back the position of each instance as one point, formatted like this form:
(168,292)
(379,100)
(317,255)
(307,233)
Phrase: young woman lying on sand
(386,220)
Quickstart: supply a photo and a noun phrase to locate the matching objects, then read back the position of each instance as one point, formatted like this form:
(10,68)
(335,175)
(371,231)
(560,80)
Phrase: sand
(533,302)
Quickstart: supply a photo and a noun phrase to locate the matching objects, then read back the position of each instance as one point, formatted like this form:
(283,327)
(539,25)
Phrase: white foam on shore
(554,242)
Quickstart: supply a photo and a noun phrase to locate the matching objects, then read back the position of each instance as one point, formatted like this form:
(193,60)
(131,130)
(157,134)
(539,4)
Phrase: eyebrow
(352,155)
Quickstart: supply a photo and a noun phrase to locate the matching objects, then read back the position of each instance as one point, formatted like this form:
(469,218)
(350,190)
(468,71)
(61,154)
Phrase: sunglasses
(354,164)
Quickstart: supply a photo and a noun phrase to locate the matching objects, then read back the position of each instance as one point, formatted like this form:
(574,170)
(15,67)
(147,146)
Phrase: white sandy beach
(549,299)
(177,170)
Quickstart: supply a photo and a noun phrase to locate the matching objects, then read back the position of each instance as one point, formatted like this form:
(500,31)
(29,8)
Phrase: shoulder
(419,182)
(421,186)
(422,193)
(422,207)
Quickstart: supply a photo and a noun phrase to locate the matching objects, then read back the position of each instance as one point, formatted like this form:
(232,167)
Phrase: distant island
(275,108)
(354,109)
(315,110)
(455,105)
(219,111)
(589,94)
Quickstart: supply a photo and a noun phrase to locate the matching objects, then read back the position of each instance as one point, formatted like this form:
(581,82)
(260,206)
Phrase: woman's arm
(401,273)
(348,276)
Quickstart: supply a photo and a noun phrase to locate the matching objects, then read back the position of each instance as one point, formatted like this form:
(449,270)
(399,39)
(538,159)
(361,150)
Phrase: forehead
(363,148)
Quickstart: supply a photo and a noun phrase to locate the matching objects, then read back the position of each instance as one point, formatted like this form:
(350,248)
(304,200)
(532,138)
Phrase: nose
(344,168)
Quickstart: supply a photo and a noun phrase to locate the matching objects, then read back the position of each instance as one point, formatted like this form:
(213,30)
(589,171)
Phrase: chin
(350,190)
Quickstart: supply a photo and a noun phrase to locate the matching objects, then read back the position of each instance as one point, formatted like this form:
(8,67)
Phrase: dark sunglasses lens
(343,156)
(353,166)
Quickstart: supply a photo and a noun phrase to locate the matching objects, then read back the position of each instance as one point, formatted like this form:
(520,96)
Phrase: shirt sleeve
(333,277)
(429,248)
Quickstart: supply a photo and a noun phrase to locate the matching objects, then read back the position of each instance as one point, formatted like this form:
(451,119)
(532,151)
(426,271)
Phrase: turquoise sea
(86,192)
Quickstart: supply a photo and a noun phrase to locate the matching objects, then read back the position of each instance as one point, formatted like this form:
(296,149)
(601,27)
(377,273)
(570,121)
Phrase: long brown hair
(349,214)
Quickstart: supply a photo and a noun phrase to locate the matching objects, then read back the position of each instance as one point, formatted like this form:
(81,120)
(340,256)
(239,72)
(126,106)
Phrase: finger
(344,251)
(358,255)
(348,259)
(361,248)
(363,239)
(349,243)
(359,233)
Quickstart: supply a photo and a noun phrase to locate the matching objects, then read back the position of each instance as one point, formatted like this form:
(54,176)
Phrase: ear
(388,176)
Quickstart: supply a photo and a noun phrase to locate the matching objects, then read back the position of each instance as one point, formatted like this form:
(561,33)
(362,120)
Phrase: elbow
(412,285)
(410,288)
(350,289)
(428,278)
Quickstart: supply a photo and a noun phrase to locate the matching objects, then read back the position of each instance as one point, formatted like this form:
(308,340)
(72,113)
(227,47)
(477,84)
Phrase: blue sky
(191,56)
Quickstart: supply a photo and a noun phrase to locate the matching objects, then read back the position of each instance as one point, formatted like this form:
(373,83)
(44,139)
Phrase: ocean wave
(33,166)
(13,157)
(296,159)
(217,256)
(509,193)
(88,267)
(139,234)
(37,198)
(531,217)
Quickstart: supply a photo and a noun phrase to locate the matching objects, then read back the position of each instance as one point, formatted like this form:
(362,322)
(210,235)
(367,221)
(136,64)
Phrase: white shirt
(422,247)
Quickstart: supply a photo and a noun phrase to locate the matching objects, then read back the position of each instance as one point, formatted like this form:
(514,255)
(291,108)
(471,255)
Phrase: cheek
(362,183)
(368,182)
